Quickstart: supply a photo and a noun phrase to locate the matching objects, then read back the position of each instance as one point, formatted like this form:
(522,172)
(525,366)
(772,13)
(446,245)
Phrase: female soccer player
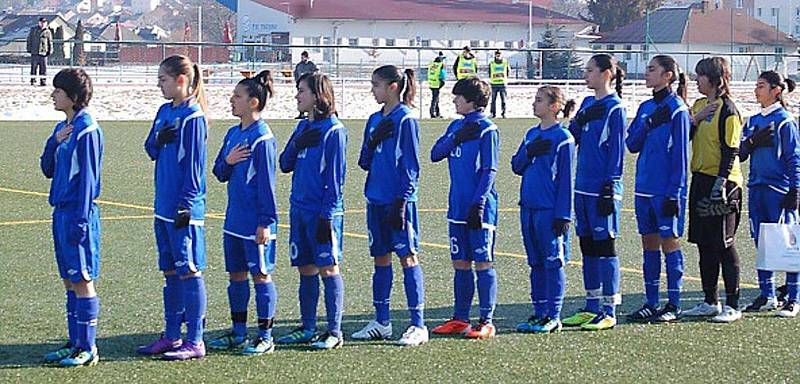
(73,159)
(771,142)
(247,162)
(599,130)
(471,146)
(544,160)
(715,198)
(660,135)
(315,154)
(177,144)
(390,155)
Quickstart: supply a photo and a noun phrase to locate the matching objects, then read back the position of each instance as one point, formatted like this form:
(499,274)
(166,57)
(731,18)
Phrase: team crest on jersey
(180,264)
(324,255)
(71,271)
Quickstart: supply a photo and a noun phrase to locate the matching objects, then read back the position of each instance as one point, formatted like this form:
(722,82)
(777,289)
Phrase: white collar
(772,108)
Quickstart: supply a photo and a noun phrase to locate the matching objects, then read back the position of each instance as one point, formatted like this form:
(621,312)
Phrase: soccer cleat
(790,309)
(297,336)
(374,331)
(414,336)
(762,304)
(58,354)
(328,341)
(782,292)
(259,346)
(187,351)
(644,314)
(528,326)
(160,346)
(228,341)
(451,327)
(548,325)
(704,309)
(578,319)
(668,314)
(481,331)
(600,322)
(80,358)
(728,315)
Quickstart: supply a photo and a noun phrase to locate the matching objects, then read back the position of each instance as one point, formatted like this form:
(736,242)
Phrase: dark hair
(466,48)
(556,96)
(304,53)
(260,87)
(718,72)
(670,65)
(474,91)
(177,65)
(42,19)
(406,81)
(75,82)
(606,62)
(775,79)
(322,88)
(497,52)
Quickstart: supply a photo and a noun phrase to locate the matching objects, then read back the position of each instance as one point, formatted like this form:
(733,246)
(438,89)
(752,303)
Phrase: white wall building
(144,6)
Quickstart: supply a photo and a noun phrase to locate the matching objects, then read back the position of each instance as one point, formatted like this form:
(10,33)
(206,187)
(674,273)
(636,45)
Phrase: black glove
(324,230)
(708,208)
(77,233)
(469,131)
(596,111)
(182,217)
(658,117)
(309,138)
(718,191)
(397,215)
(763,137)
(791,200)
(475,217)
(384,131)
(166,135)
(560,227)
(605,205)
(670,208)
(538,147)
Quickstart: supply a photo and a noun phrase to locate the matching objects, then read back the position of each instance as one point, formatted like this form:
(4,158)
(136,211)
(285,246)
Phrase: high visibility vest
(434,70)
(466,67)
(497,72)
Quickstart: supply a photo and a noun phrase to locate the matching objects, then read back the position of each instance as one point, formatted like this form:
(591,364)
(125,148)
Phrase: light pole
(530,20)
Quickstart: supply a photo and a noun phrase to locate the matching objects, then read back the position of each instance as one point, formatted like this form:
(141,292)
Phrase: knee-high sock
(555,286)
(730,274)
(266,302)
(414,284)
(382,292)
(766,282)
(308,295)
(72,317)
(652,274)
(463,292)
(487,293)
(173,306)
(194,297)
(591,282)
(609,267)
(538,291)
(709,273)
(791,285)
(674,263)
(88,309)
(334,303)
(239,300)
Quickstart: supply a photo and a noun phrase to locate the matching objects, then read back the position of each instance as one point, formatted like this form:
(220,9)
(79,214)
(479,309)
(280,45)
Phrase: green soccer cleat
(259,346)
(59,354)
(578,319)
(80,358)
(600,322)
(228,341)
(298,336)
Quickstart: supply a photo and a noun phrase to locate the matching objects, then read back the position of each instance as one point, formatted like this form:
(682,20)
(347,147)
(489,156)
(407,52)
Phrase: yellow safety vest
(497,72)
(466,67)
(434,71)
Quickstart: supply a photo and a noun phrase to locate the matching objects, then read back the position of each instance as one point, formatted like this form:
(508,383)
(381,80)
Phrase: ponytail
(775,80)
(618,78)
(681,86)
(410,90)
(606,62)
(668,64)
(260,87)
(406,82)
(556,96)
(177,65)
(569,106)
(198,91)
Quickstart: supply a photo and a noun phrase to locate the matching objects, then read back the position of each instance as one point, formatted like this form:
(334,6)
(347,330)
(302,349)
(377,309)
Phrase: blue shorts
(650,217)
(242,254)
(541,244)
(383,239)
(764,206)
(77,262)
(180,249)
(303,239)
(588,222)
(471,244)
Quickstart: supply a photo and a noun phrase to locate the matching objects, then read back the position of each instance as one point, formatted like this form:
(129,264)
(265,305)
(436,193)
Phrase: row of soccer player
(315,154)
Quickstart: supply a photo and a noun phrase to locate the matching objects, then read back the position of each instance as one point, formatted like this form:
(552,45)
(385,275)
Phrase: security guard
(436,77)
(498,78)
(466,65)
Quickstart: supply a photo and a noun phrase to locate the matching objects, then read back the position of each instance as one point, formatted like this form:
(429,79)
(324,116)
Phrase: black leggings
(710,260)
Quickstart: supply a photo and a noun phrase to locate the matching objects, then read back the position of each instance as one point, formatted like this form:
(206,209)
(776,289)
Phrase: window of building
(508,44)
(758,12)
(426,43)
(474,43)
(774,11)
(486,43)
(628,54)
(314,40)
(740,4)
(610,47)
(450,43)
(353,41)
(376,42)
(778,49)
(390,42)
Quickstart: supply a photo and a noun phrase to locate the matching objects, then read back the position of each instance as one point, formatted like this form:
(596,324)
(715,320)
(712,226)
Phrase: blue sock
(194,297)
(556,284)
(651,266)
(791,285)
(610,275)
(674,261)
(487,293)
(591,282)
(334,303)
(72,318)
(308,293)
(538,293)
(766,282)
(382,292)
(173,307)
(414,283)
(88,309)
(266,302)
(239,299)
(463,292)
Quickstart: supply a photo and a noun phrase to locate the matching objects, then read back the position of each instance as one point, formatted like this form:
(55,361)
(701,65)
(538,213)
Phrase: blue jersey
(661,169)
(469,162)
(776,166)
(251,183)
(74,165)
(547,179)
(318,172)
(180,169)
(601,147)
(393,167)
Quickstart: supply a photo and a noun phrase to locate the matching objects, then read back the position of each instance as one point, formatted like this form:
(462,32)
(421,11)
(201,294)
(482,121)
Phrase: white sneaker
(790,309)
(374,331)
(414,336)
(728,315)
(704,309)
